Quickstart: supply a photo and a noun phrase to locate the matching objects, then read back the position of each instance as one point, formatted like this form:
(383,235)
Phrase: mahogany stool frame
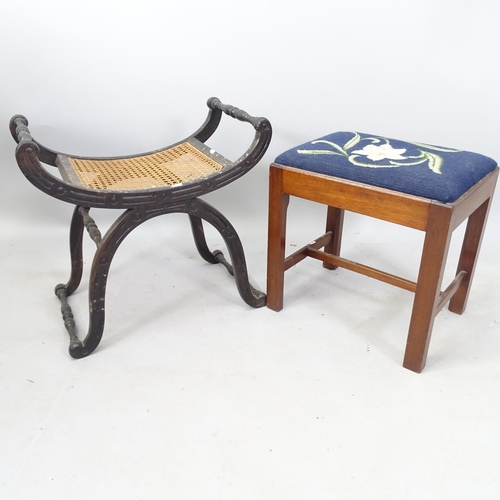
(437,219)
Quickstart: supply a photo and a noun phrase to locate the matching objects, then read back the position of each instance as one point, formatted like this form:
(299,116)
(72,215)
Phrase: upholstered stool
(433,189)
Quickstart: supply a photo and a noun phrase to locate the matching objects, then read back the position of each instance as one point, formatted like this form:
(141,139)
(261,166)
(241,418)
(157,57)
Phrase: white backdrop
(311,403)
(117,77)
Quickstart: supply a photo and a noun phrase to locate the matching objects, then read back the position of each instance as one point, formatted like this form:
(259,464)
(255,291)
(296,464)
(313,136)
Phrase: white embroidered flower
(376,153)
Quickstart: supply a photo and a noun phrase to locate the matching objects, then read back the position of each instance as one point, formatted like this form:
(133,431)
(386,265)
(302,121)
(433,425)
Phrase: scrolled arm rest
(19,129)
(257,122)
(26,145)
(22,135)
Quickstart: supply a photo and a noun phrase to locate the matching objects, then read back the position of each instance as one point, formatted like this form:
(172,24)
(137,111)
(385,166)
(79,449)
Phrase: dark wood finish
(140,205)
(76,251)
(438,220)
(68,318)
(30,155)
(90,225)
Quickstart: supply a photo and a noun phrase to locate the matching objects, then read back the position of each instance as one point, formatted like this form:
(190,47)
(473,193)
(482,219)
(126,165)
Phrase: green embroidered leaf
(421,155)
(435,162)
(435,148)
(352,142)
(408,164)
(375,140)
(318,152)
(336,146)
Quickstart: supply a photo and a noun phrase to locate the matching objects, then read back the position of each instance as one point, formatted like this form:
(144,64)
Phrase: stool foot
(469,255)
(427,294)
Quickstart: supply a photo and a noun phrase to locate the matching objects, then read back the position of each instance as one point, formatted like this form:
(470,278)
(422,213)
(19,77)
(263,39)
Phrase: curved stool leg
(198,209)
(107,247)
(200,241)
(63,291)
(216,257)
(128,221)
(76,252)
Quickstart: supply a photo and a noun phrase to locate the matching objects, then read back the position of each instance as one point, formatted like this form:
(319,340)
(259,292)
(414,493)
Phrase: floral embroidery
(377,152)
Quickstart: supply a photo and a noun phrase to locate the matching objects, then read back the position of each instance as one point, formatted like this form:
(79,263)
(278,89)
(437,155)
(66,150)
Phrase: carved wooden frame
(140,205)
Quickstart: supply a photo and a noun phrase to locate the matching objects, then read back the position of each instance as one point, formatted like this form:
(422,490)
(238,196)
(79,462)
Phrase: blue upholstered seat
(432,172)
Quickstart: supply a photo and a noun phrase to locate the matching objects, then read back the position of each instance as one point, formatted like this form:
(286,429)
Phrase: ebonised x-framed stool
(429,188)
(169,180)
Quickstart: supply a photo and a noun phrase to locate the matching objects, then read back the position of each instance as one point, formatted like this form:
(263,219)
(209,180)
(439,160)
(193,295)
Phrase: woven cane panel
(177,165)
